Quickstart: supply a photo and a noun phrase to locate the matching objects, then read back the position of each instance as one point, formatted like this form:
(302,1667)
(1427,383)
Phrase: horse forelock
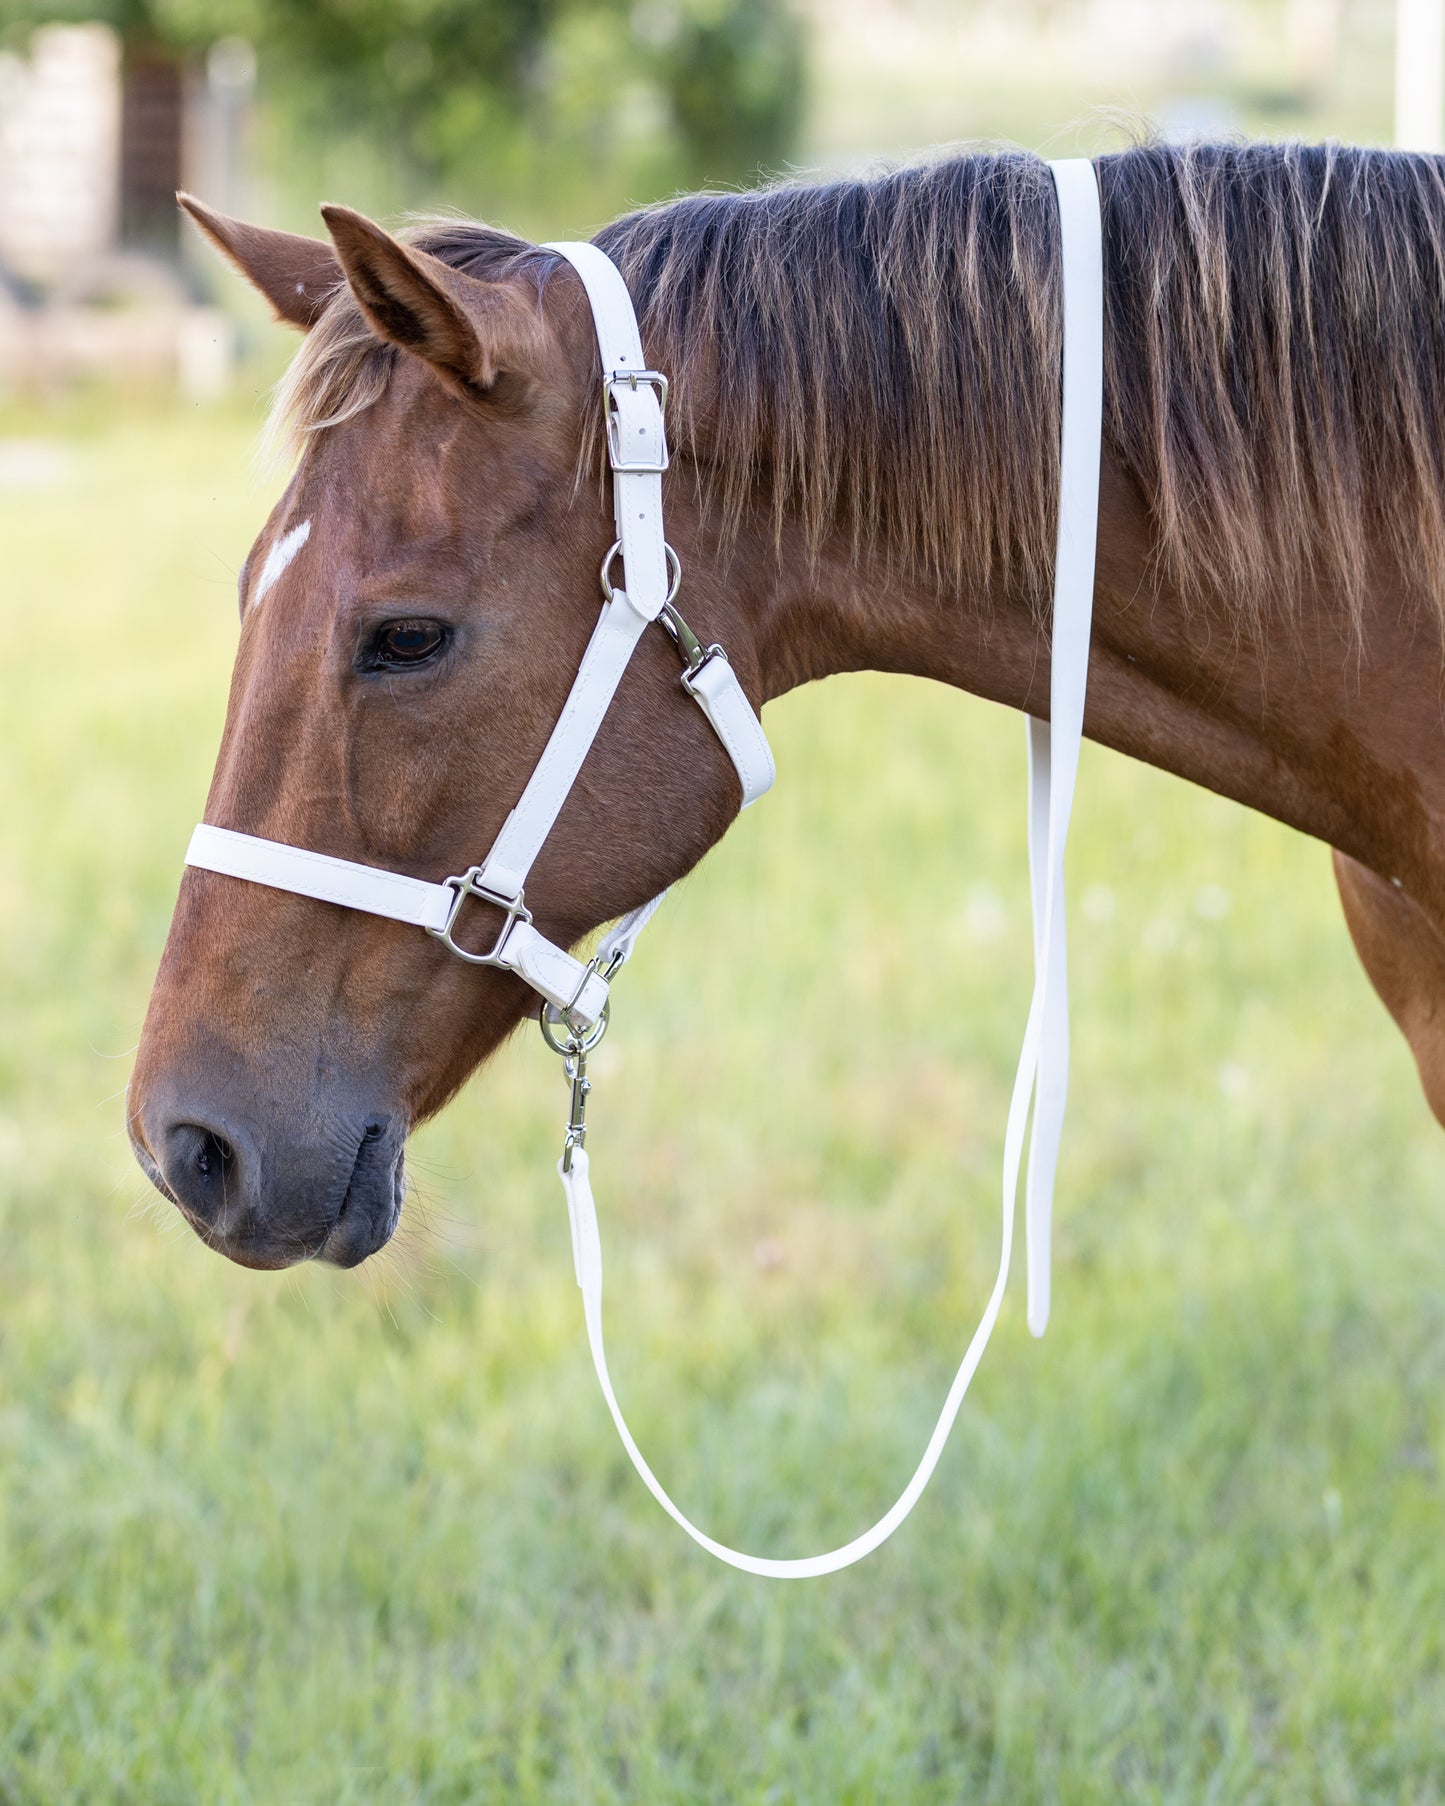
(880,358)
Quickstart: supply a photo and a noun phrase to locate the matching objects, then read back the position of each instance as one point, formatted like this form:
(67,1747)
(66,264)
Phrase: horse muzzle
(329,1190)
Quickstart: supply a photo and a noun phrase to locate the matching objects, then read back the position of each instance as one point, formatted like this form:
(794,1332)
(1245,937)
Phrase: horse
(864,422)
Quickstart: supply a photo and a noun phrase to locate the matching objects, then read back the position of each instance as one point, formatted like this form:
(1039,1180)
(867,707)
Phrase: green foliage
(733,74)
(180,25)
(442,87)
(359,1537)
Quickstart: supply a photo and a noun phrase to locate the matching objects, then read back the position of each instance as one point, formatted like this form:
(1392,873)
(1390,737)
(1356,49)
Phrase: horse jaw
(1404,954)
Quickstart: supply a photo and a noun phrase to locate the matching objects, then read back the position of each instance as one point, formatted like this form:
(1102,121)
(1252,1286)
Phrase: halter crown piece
(574,995)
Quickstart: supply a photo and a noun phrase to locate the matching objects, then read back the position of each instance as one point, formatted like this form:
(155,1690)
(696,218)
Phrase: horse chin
(371,1208)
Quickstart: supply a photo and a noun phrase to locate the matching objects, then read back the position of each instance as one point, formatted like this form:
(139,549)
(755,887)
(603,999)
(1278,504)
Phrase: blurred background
(355,1537)
(551,115)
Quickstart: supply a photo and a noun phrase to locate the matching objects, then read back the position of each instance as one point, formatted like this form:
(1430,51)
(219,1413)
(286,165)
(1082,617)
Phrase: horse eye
(403,643)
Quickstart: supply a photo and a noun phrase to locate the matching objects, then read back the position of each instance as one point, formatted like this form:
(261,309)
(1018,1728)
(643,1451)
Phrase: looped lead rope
(1043,1069)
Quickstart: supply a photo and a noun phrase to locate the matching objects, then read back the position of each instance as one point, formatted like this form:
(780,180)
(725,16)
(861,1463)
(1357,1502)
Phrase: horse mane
(881,357)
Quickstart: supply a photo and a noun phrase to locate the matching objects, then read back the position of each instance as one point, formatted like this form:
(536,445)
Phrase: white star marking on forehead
(280,555)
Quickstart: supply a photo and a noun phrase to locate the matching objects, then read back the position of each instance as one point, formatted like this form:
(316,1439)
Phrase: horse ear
(477,336)
(296,275)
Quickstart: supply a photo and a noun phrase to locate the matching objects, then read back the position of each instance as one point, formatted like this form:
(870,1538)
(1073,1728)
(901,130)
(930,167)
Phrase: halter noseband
(576,996)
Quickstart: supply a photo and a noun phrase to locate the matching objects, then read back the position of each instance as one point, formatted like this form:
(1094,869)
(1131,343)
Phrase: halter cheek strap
(575,996)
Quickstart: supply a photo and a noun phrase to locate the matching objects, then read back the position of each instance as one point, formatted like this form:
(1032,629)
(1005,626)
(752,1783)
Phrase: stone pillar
(152,114)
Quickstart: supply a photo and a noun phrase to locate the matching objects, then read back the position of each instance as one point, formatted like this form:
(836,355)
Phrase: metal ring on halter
(552,1019)
(674,566)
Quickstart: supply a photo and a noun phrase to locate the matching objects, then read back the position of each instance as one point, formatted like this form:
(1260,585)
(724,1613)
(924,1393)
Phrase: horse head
(866,475)
(412,616)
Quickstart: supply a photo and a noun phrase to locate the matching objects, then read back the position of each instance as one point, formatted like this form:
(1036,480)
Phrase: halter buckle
(616,379)
(469,884)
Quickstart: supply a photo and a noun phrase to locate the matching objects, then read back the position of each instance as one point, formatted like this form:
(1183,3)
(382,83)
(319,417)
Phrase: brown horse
(865,430)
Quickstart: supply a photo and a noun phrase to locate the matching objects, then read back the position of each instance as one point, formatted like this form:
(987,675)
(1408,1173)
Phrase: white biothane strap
(636,439)
(638,455)
(1055,744)
(615,948)
(715,688)
(619,628)
(318,875)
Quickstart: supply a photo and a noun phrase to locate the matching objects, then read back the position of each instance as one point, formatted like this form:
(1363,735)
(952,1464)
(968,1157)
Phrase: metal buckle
(654,380)
(467,885)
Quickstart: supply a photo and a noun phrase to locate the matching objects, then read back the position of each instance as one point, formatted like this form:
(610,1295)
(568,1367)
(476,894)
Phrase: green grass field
(369,1537)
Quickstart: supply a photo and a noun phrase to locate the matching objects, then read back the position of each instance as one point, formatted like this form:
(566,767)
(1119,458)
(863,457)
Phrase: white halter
(575,996)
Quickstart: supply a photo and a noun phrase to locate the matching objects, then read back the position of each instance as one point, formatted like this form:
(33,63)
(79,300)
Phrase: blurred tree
(732,71)
(442,88)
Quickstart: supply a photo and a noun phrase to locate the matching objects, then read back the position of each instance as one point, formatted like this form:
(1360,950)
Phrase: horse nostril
(214,1154)
(203,1168)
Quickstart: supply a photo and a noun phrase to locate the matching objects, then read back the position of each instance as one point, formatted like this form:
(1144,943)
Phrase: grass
(370,1537)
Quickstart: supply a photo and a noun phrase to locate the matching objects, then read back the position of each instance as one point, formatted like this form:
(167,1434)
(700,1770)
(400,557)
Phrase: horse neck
(1333,734)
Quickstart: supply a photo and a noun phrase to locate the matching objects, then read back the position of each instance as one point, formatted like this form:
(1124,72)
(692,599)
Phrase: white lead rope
(1043,1069)
(1055,744)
